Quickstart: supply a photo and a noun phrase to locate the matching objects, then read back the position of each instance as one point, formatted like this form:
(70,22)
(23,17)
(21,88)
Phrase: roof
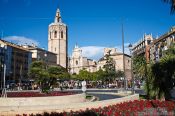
(163,36)
(14,45)
(36,48)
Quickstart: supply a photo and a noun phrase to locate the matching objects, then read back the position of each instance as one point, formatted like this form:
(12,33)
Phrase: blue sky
(93,24)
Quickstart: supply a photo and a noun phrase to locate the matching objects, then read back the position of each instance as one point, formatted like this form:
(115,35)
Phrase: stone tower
(57,39)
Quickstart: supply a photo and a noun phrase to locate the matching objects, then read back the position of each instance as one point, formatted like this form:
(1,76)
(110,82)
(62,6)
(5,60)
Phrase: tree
(119,74)
(142,71)
(74,76)
(84,75)
(163,77)
(39,73)
(171,50)
(139,66)
(109,67)
(57,72)
(99,75)
(46,76)
(172,2)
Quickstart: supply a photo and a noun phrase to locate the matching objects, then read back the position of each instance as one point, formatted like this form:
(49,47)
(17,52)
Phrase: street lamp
(130,49)
(125,79)
(4,92)
(45,58)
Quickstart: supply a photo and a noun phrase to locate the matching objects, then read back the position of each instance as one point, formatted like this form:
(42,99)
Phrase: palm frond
(172,2)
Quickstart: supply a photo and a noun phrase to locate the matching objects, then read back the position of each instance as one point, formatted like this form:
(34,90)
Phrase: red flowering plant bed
(38,94)
(131,108)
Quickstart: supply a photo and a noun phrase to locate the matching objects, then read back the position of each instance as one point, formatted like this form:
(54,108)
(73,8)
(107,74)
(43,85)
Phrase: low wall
(40,101)
(13,110)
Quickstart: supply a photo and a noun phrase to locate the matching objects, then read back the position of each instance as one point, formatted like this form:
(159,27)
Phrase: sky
(92,24)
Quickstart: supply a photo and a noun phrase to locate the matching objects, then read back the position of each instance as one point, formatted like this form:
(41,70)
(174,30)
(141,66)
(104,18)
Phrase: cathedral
(77,62)
(57,40)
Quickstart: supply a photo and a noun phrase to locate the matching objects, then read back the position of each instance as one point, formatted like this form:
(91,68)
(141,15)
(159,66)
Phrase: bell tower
(57,39)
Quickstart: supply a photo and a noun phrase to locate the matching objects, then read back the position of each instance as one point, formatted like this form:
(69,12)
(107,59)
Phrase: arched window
(61,34)
(55,34)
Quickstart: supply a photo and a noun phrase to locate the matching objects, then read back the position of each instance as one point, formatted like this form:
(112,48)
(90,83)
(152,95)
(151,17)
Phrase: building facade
(77,62)
(153,49)
(141,48)
(57,40)
(41,54)
(15,60)
(118,61)
(159,45)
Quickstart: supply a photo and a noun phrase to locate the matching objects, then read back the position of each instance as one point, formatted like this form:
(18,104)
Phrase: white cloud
(120,49)
(93,52)
(20,40)
(96,52)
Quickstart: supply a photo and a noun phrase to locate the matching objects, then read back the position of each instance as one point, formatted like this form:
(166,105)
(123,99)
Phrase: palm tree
(172,2)
(163,72)
(141,70)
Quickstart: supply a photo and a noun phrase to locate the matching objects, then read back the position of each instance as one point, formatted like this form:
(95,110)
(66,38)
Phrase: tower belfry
(57,39)
(58,16)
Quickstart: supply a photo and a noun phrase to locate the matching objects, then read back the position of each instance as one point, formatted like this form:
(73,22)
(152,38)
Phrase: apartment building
(15,60)
(161,44)
(141,48)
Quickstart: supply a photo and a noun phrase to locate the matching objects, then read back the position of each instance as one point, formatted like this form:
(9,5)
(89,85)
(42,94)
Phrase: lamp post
(45,58)
(4,92)
(125,79)
(132,76)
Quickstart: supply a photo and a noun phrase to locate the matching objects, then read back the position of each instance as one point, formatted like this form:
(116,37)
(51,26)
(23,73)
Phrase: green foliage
(139,66)
(58,72)
(161,75)
(119,74)
(38,71)
(163,72)
(84,75)
(172,2)
(142,71)
(46,76)
(74,76)
(171,50)
(99,75)
(109,67)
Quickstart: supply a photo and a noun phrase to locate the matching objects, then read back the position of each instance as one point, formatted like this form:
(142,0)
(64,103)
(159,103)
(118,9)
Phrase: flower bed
(38,94)
(131,108)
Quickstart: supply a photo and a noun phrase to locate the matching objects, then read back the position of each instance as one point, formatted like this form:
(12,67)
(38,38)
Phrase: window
(50,35)
(61,34)
(55,34)
(76,62)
